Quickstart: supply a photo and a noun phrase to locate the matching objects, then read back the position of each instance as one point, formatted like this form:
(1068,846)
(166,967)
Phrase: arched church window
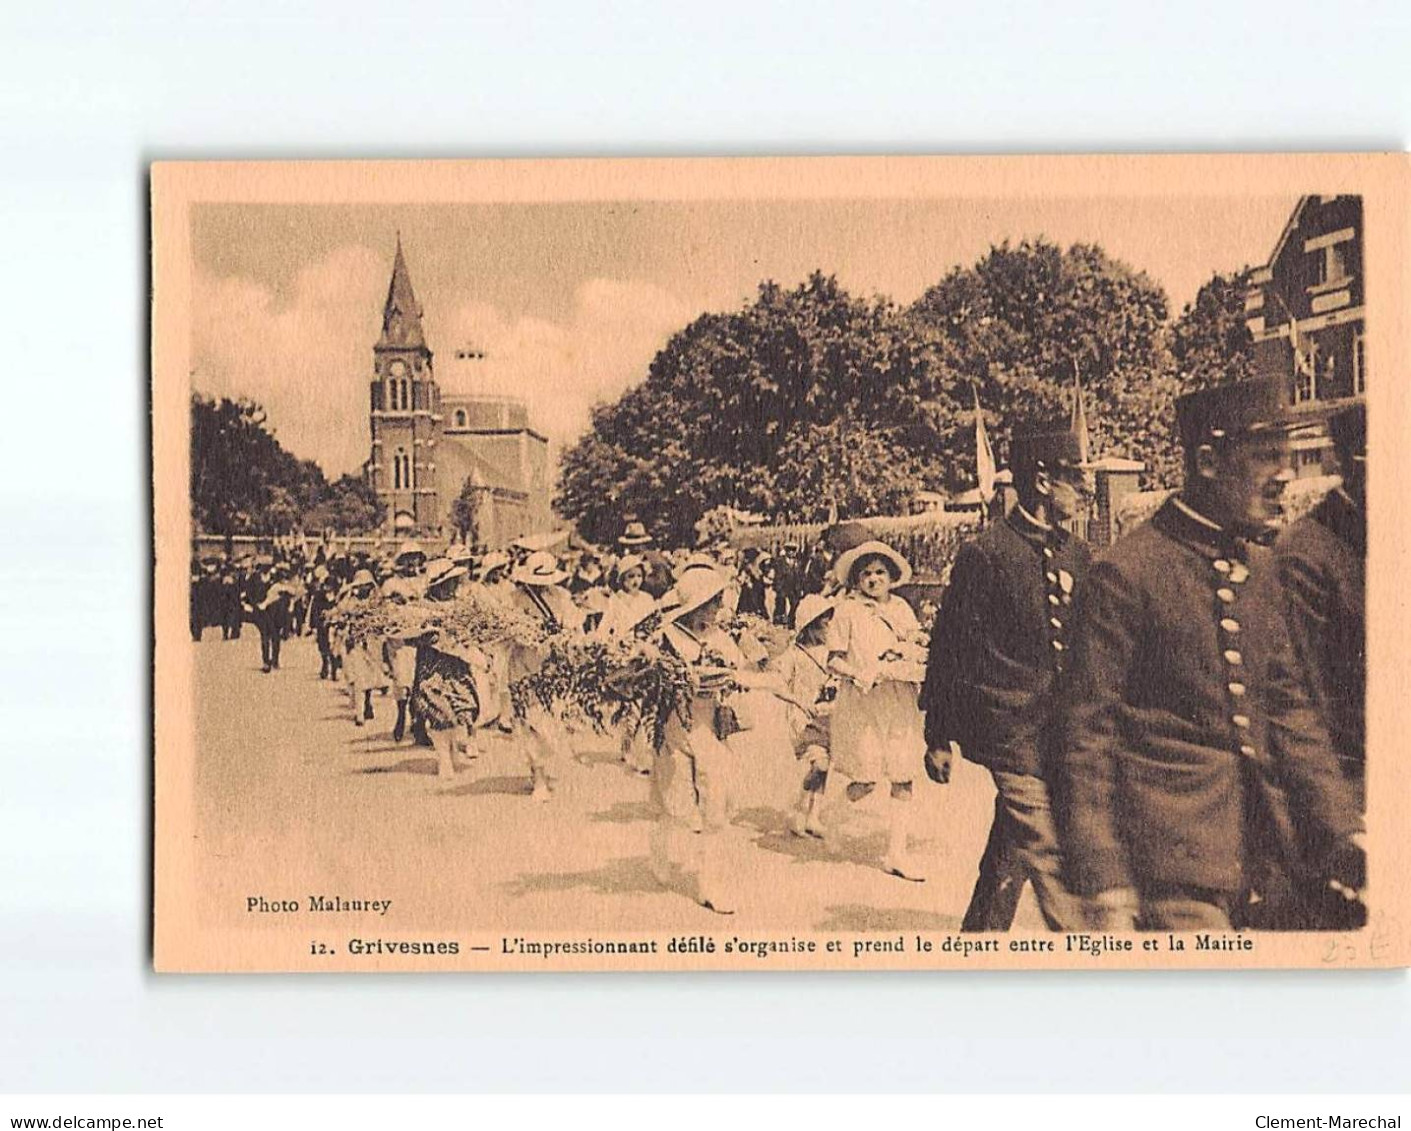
(406,395)
(401,470)
(460,418)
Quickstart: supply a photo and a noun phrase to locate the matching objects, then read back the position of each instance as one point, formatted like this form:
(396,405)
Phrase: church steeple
(401,316)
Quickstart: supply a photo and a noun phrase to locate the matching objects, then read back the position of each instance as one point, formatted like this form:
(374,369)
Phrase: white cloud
(307,358)
(561,369)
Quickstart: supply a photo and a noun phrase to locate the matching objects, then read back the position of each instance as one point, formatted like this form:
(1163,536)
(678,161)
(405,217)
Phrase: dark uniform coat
(1187,746)
(999,637)
(1322,564)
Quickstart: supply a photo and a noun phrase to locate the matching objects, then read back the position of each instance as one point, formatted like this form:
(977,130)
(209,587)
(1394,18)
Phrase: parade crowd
(1174,725)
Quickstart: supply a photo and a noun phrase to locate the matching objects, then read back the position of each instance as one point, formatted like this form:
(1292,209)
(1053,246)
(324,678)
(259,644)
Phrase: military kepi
(1034,450)
(1237,409)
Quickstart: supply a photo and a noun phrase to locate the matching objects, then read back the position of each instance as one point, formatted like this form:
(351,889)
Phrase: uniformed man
(1322,562)
(999,639)
(1191,764)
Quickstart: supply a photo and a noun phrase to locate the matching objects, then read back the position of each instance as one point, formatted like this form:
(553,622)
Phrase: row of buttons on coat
(1229,575)
(1060,596)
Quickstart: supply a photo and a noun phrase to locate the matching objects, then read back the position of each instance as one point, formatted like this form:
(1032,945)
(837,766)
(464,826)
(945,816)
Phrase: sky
(570,302)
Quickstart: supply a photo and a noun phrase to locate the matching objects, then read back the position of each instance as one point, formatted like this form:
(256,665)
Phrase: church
(426,444)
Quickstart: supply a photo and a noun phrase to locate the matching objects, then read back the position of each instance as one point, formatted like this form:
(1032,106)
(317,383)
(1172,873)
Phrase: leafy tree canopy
(812,396)
(243,481)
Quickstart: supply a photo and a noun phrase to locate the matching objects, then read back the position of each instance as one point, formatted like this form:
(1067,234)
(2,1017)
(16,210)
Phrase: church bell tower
(405,412)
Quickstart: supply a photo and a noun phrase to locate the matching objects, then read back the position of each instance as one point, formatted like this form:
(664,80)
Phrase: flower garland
(607,684)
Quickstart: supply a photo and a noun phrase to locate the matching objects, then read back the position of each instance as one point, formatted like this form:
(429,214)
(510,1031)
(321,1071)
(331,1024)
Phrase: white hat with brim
(495,559)
(409,549)
(697,587)
(540,568)
(635,535)
(361,578)
(812,608)
(843,567)
(628,562)
(441,571)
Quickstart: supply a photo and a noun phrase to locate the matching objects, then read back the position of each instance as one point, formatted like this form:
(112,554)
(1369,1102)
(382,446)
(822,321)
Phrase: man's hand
(1348,864)
(939,760)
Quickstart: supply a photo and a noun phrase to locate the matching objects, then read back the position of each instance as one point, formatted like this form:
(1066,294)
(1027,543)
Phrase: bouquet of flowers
(470,619)
(361,619)
(606,684)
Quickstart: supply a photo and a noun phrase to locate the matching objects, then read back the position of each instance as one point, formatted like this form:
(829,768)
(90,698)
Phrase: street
(295,802)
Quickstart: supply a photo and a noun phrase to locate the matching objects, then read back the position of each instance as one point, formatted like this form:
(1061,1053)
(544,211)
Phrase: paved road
(295,801)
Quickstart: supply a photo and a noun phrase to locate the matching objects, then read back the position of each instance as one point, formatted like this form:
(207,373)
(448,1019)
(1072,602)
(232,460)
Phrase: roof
(1289,228)
(401,314)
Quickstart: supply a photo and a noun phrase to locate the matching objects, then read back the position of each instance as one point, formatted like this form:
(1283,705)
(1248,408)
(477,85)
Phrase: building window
(1329,265)
(401,470)
(399,395)
(460,418)
(1359,363)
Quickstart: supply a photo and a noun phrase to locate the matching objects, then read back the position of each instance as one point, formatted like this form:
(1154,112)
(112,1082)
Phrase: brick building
(426,444)
(1306,312)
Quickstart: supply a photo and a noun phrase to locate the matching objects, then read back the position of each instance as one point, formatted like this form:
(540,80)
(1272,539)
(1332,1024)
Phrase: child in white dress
(876,647)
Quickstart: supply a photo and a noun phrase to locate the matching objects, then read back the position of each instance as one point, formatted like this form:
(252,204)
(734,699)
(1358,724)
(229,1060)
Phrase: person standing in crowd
(539,592)
(445,691)
(363,668)
(256,604)
(201,597)
(874,646)
(695,775)
(788,584)
(228,610)
(627,607)
(1191,765)
(816,569)
(998,643)
(495,576)
(1322,563)
(803,668)
(752,585)
(321,600)
(406,584)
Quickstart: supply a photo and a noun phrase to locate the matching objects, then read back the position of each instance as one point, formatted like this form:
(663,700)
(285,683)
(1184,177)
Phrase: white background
(94,91)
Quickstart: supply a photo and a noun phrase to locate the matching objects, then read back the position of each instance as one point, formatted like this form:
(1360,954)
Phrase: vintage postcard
(808,564)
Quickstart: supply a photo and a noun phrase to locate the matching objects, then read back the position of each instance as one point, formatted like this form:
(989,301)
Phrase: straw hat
(495,559)
(810,609)
(629,562)
(442,570)
(843,567)
(361,578)
(695,588)
(459,554)
(540,568)
(635,535)
(409,549)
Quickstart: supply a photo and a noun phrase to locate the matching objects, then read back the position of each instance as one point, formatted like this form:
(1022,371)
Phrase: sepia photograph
(782,564)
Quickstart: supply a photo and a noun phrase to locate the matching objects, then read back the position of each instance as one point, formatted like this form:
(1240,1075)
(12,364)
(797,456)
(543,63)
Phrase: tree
(1026,321)
(1210,341)
(348,506)
(243,481)
(739,409)
(465,511)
